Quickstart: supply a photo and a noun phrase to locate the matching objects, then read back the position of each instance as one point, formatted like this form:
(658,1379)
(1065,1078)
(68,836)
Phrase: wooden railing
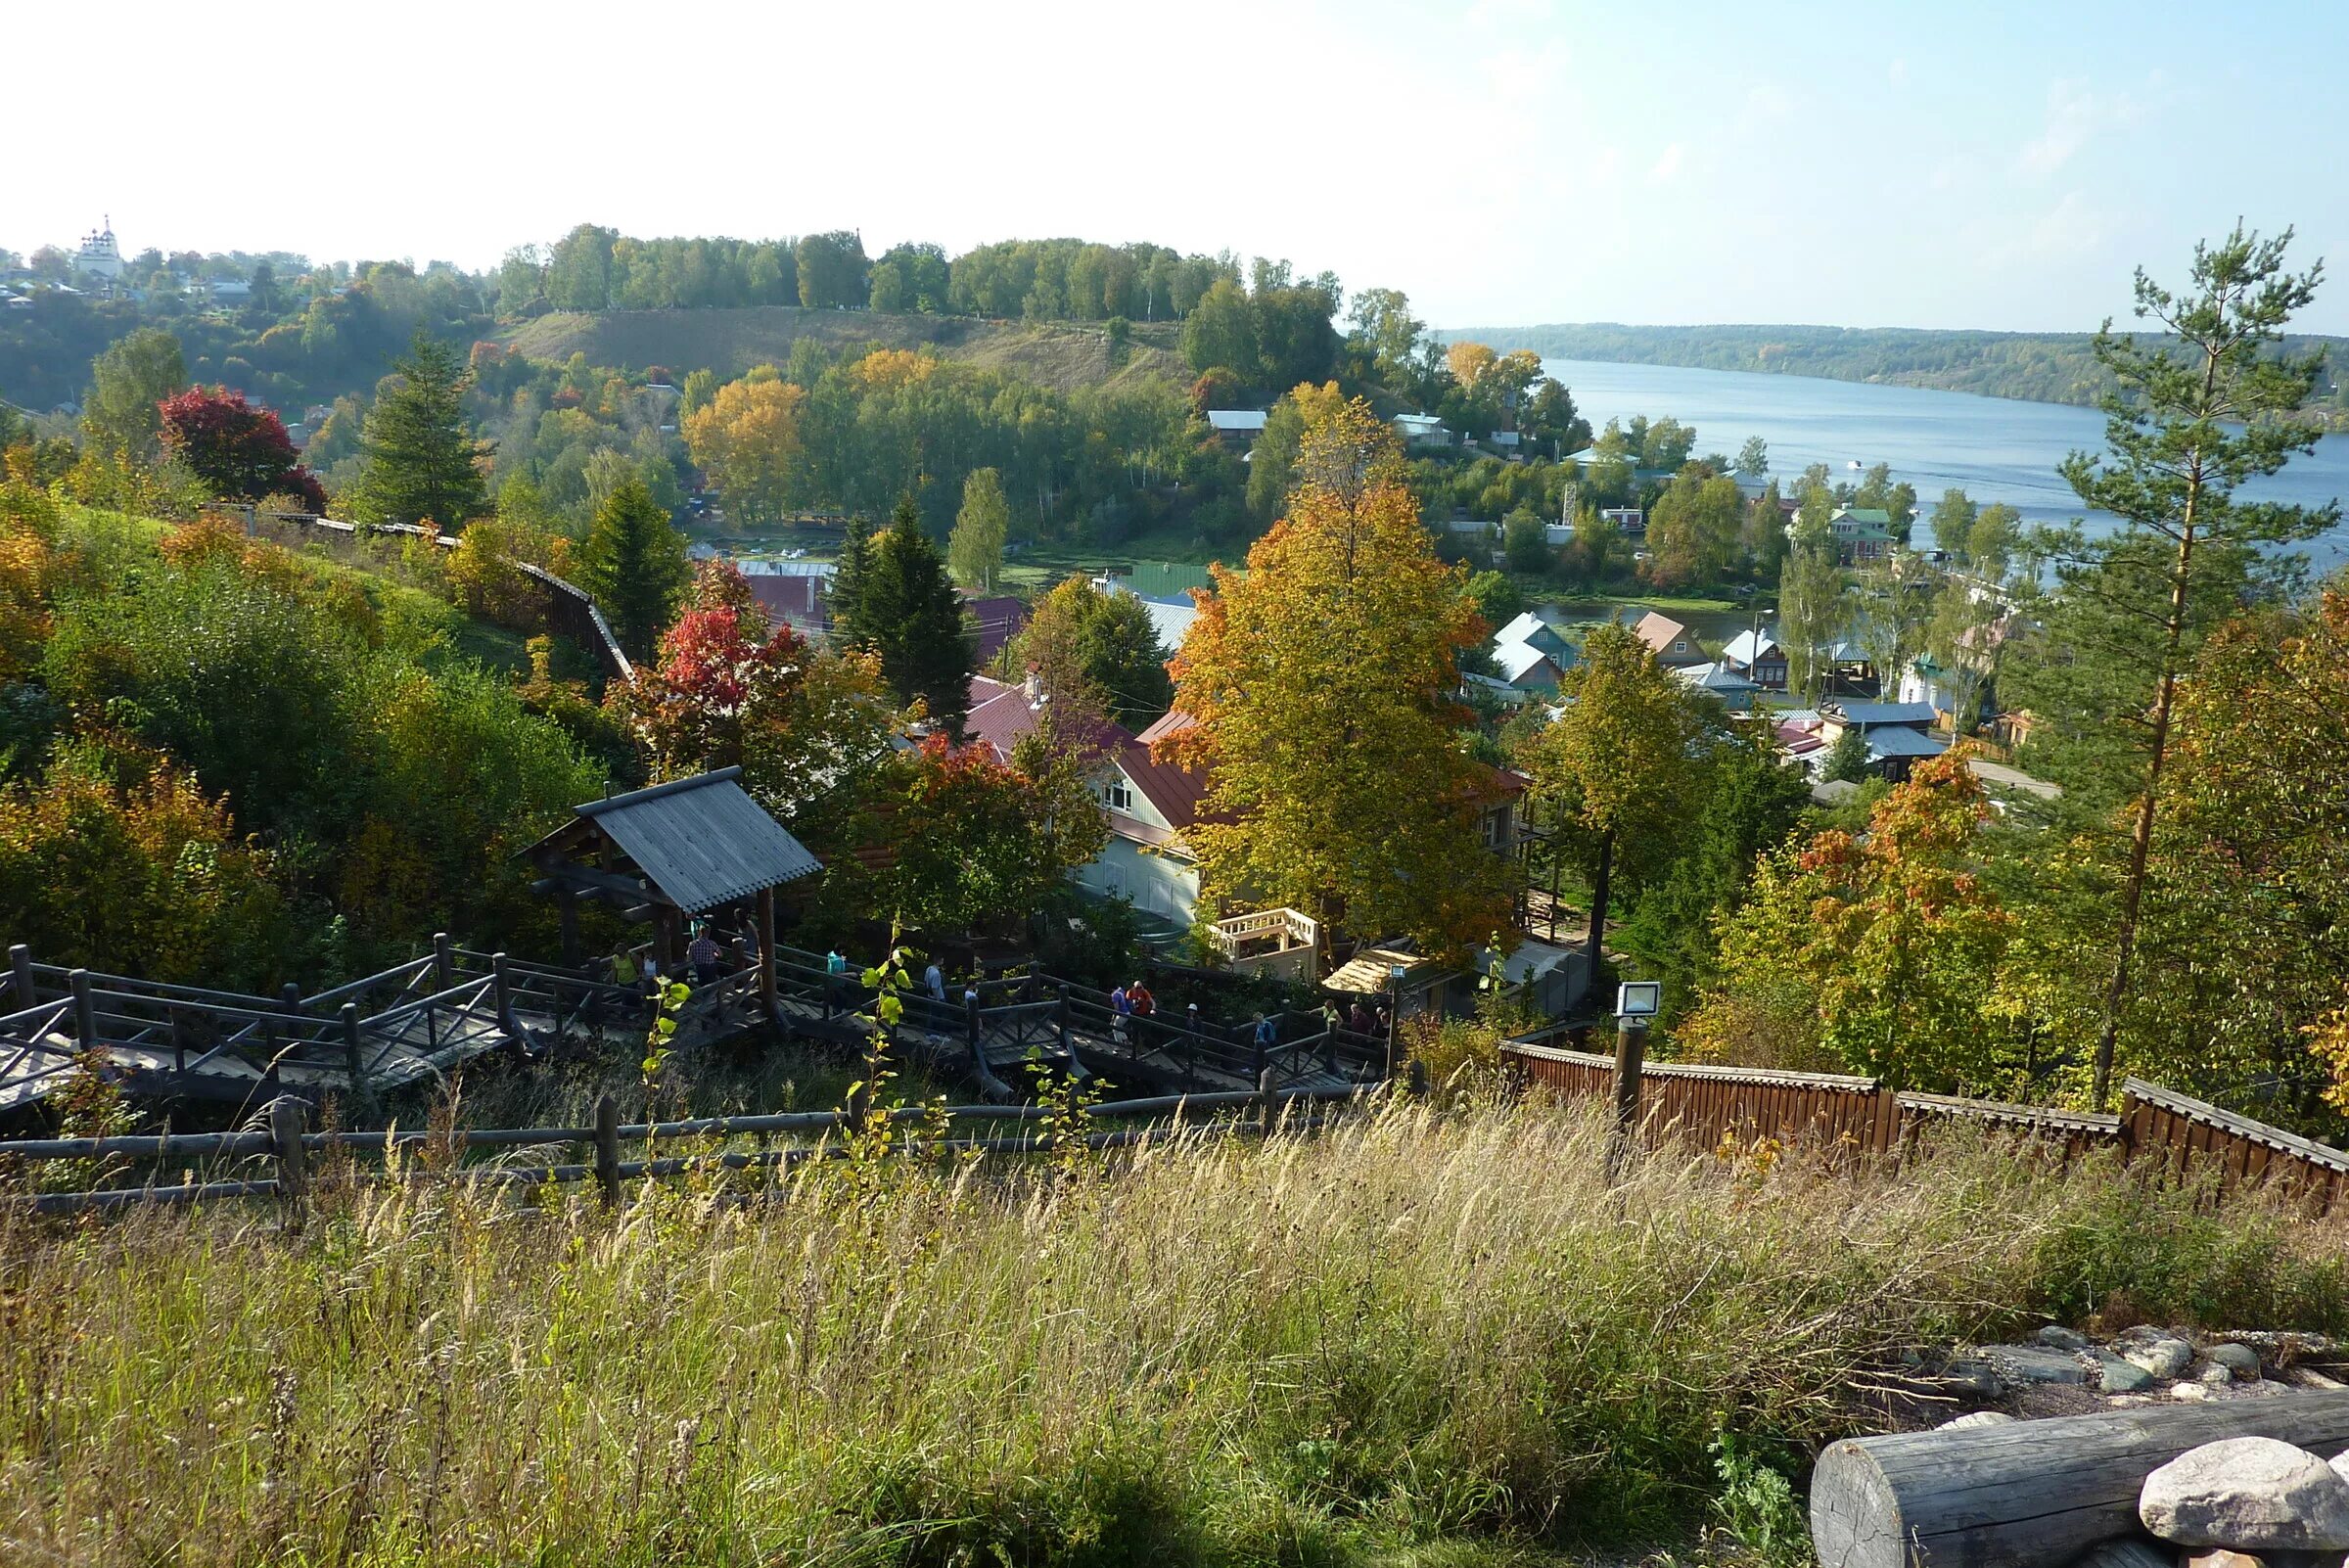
(286,1148)
(1863,1116)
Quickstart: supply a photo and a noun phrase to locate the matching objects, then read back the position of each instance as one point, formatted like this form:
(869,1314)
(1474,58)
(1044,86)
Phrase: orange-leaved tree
(1323,685)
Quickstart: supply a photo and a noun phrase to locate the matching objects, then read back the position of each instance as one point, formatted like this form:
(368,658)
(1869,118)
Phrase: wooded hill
(2051,367)
(1059,354)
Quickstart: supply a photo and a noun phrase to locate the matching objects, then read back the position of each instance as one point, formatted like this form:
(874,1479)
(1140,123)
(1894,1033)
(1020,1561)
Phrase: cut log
(2034,1493)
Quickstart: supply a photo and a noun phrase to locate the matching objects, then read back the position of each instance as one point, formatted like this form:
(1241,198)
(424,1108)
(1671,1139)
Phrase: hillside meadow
(1426,1335)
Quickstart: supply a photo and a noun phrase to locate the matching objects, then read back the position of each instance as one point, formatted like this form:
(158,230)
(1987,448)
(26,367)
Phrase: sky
(1908,162)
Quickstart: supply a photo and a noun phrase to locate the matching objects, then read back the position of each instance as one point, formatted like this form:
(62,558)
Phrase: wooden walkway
(424,1019)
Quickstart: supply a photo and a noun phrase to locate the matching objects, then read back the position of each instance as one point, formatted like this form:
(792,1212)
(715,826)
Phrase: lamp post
(1636,1001)
(1395,974)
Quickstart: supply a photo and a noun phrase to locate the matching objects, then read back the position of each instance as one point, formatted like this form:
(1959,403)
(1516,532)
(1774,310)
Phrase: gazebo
(668,853)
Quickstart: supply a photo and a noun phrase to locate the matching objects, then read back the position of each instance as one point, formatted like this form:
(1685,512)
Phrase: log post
(607,1149)
(975,1029)
(1630,1055)
(289,996)
(20,963)
(285,1143)
(85,1014)
(1060,1017)
(2032,1492)
(444,961)
(1267,1102)
(179,1041)
(501,990)
(354,1055)
(766,959)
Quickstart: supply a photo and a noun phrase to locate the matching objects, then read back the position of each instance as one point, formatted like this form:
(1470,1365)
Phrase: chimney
(1031,685)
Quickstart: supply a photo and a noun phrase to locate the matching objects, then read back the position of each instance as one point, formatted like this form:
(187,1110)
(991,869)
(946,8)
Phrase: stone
(2116,1376)
(1970,1376)
(2241,1359)
(2158,1352)
(2250,1494)
(2215,1375)
(2341,1465)
(1975,1419)
(2192,1392)
(2035,1363)
(2220,1557)
(2058,1337)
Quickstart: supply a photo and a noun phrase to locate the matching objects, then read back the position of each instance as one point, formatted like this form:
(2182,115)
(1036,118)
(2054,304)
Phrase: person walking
(1138,996)
(704,957)
(1120,1012)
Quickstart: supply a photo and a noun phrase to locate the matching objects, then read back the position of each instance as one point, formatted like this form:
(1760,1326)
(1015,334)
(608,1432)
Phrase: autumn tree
(420,460)
(907,614)
(238,450)
(746,438)
(727,689)
(975,550)
(979,842)
(1615,767)
(1693,534)
(633,566)
(2195,416)
(1321,688)
(1875,955)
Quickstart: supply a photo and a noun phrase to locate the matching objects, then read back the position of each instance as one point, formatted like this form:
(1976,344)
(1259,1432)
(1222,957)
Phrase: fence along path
(1710,1104)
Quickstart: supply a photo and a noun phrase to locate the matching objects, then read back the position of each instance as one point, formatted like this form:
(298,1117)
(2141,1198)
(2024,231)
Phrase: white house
(1422,429)
(1149,805)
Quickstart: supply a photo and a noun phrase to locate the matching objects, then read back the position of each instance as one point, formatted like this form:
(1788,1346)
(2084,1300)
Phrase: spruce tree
(848,577)
(418,453)
(907,611)
(634,565)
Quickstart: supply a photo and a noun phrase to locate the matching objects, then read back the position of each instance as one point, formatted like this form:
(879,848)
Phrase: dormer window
(1117,795)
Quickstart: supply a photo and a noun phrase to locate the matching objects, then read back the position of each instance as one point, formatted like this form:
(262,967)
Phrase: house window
(1117,795)
(1496,827)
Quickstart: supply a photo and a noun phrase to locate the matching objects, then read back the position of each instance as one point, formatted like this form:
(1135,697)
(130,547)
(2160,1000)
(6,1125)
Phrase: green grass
(1422,1338)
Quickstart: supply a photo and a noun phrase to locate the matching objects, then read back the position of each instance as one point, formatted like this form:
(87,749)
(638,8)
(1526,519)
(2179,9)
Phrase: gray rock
(1975,1419)
(2251,1493)
(2220,1557)
(2341,1465)
(2241,1359)
(2058,1337)
(2035,1363)
(2162,1354)
(2192,1392)
(2215,1375)
(1971,1376)
(2116,1376)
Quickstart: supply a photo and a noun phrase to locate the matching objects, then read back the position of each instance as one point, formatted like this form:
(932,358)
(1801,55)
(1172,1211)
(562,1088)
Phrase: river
(1994,448)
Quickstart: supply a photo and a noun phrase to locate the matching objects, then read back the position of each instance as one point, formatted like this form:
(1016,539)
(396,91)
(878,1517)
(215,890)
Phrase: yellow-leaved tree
(746,439)
(1322,689)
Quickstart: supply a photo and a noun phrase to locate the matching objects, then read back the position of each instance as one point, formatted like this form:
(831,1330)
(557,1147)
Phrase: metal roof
(1868,714)
(702,841)
(1897,742)
(1236,419)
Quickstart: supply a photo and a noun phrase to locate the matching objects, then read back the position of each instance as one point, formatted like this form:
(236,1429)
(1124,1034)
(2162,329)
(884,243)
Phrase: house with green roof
(1861,532)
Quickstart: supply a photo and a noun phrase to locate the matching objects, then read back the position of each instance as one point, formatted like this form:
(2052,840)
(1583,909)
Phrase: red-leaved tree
(237,449)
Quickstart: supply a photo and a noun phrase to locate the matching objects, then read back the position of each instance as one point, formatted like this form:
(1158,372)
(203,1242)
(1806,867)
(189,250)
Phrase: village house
(1759,658)
(1898,734)
(1719,681)
(1422,429)
(1237,428)
(1670,642)
(1862,534)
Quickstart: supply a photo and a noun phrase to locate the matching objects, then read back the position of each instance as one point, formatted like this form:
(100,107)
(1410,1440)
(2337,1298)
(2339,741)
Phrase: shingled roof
(700,841)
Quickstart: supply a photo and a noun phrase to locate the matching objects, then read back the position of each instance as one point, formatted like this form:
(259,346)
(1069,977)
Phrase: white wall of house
(1156,880)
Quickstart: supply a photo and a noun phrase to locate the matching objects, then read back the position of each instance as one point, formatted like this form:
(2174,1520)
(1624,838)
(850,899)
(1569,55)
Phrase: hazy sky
(1938,163)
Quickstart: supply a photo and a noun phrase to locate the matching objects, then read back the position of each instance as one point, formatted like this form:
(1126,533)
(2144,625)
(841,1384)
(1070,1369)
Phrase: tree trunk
(2141,836)
(1598,904)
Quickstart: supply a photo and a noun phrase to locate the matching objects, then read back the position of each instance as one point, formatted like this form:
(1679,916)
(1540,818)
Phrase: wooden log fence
(1859,1116)
(283,1140)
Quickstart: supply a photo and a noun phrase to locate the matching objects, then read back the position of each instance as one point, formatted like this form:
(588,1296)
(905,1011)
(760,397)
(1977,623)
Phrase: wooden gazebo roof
(692,844)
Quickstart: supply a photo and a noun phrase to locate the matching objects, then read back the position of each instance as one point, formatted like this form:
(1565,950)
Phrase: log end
(1855,1515)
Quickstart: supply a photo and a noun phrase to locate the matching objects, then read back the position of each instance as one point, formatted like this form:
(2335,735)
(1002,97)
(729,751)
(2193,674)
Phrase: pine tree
(905,609)
(847,587)
(420,458)
(634,565)
(2195,416)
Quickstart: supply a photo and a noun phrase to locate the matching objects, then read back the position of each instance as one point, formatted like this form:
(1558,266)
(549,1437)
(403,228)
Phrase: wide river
(1994,448)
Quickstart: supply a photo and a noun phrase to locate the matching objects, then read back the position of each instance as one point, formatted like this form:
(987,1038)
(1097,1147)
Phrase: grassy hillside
(1063,355)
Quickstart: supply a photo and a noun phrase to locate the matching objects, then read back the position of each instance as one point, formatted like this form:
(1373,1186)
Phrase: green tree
(634,565)
(976,548)
(2192,419)
(1104,642)
(1220,332)
(1496,598)
(1954,518)
(907,613)
(420,461)
(1846,761)
(701,385)
(1813,606)
(1614,767)
(120,414)
(1751,800)
(1525,542)
(1694,533)
(1753,459)
(831,271)
(1995,539)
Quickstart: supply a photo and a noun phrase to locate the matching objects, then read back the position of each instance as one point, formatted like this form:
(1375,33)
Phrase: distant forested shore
(2049,367)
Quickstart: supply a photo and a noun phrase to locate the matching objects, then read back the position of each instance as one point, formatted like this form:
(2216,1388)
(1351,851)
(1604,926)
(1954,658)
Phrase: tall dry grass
(1413,1328)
